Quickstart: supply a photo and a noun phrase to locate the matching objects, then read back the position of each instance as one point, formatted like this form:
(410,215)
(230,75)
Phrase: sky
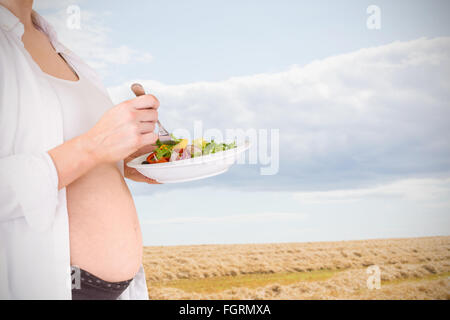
(362,114)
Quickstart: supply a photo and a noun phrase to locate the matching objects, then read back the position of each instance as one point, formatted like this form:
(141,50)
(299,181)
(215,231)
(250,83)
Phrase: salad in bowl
(179,149)
(179,161)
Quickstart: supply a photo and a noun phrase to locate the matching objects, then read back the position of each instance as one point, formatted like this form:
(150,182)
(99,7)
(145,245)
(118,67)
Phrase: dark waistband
(86,286)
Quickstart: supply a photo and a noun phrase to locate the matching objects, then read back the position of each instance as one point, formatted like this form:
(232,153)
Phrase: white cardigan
(34,230)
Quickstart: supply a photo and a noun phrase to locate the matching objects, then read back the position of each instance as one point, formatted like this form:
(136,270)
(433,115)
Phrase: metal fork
(164,135)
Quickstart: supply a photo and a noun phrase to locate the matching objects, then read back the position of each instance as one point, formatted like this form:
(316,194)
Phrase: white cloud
(427,191)
(92,42)
(236,219)
(379,111)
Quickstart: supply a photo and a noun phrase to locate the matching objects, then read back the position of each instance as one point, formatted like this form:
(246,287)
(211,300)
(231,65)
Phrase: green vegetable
(175,140)
(209,148)
(163,151)
(213,147)
(165,148)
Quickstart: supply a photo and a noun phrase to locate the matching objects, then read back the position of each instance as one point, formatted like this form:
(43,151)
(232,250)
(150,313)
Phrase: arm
(29,183)
(121,131)
(72,159)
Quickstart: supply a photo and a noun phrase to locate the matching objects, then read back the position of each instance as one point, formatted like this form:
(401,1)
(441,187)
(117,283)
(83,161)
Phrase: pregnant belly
(105,237)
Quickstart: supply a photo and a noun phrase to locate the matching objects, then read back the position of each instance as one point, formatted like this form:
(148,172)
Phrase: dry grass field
(415,268)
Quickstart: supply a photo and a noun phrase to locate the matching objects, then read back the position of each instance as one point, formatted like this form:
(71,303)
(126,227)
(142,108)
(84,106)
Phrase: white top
(82,104)
(34,230)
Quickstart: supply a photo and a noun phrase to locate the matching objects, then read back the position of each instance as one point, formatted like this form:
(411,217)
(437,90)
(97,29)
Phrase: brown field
(415,268)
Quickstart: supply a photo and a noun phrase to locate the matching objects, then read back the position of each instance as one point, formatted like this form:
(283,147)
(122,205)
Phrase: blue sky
(213,40)
(365,143)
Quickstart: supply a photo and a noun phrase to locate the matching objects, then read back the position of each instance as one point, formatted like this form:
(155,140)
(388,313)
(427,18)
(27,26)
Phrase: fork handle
(138,89)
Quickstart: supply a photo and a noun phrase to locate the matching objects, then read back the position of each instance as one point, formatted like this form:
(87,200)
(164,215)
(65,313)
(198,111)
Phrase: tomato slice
(163,159)
(151,157)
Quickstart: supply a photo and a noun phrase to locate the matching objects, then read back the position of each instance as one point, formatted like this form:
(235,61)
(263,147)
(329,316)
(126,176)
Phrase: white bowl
(189,169)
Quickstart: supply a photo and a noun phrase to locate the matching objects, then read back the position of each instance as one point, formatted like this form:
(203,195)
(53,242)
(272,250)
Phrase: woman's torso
(34,239)
(105,237)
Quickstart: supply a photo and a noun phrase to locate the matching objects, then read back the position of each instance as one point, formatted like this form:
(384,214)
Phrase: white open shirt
(34,229)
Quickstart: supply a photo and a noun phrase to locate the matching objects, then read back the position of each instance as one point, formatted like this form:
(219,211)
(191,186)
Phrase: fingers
(148,138)
(138,89)
(146,127)
(147,115)
(134,175)
(144,102)
(145,149)
(151,181)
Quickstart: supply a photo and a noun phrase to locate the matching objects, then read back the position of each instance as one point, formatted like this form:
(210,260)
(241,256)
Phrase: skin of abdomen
(105,236)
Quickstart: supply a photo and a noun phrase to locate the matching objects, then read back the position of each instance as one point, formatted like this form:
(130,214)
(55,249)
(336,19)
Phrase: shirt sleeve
(29,188)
